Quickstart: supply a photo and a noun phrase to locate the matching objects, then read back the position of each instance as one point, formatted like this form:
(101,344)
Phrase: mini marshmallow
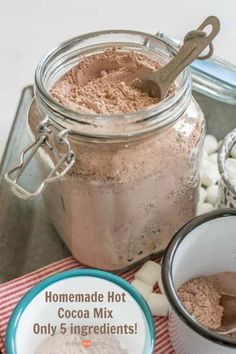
(150,273)
(233,152)
(230,165)
(144,288)
(209,174)
(158,304)
(210,144)
(212,194)
(213,158)
(202,195)
(161,287)
(204,208)
(204,154)
(204,164)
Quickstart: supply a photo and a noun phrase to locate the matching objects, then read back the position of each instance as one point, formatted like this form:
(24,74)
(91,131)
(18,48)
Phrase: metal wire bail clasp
(223,154)
(60,169)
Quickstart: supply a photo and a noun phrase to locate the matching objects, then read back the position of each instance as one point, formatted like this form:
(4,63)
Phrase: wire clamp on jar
(42,139)
(223,155)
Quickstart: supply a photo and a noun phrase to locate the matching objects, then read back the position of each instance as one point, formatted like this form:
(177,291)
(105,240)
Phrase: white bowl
(204,246)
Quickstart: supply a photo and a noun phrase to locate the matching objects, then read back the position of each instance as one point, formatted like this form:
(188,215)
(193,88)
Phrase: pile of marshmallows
(210,176)
(145,280)
(149,274)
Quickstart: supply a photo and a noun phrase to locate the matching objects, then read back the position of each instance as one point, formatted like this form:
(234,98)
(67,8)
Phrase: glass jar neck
(122,126)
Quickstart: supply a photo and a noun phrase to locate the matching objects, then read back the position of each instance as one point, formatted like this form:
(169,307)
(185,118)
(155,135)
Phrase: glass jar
(116,187)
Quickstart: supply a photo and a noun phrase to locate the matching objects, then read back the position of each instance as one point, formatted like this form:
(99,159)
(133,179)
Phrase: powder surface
(73,344)
(201,297)
(103,83)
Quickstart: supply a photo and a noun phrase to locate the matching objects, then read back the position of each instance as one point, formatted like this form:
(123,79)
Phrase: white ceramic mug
(204,246)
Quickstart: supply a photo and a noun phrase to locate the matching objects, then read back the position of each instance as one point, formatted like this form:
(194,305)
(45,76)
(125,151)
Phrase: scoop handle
(194,43)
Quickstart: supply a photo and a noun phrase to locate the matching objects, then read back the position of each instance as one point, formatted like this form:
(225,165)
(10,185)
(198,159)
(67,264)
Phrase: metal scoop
(158,83)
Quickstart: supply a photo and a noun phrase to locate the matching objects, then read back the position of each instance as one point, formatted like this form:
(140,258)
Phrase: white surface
(30,28)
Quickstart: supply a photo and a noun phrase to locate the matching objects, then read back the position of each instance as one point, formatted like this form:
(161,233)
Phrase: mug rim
(32,293)
(168,284)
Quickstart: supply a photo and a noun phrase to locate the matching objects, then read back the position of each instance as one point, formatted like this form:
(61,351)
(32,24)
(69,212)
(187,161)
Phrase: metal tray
(27,239)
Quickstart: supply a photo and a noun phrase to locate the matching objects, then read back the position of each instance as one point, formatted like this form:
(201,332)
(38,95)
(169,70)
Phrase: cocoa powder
(201,297)
(104,83)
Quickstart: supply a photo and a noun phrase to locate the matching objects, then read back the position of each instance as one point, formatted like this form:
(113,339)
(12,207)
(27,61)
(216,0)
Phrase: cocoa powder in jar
(123,201)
